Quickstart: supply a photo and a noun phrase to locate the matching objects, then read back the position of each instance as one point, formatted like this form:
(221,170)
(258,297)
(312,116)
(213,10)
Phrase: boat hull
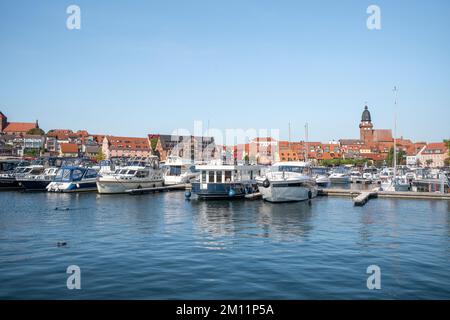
(287,192)
(9,184)
(69,187)
(35,185)
(340,180)
(115,187)
(221,190)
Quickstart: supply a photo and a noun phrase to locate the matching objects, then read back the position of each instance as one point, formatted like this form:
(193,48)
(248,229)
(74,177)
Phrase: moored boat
(38,182)
(74,179)
(138,174)
(179,171)
(287,182)
(225,181)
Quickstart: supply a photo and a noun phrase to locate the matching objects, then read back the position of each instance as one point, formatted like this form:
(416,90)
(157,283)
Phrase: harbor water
(161,246)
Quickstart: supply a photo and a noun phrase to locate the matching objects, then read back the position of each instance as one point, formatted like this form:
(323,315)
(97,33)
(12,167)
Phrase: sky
(139,67)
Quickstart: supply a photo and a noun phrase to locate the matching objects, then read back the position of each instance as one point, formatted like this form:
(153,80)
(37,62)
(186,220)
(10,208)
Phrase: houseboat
(225,181)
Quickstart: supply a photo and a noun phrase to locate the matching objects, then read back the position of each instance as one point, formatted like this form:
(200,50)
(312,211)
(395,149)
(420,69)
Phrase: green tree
(447,162)
(153,143)
(100,156)
(36,131)
(32,153)
(400,157)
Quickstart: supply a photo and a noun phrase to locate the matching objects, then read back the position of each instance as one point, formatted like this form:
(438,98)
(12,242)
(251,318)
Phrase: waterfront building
(263,150)
(69,150)
(433,155)
(113,146)
(193,148)
(16,128)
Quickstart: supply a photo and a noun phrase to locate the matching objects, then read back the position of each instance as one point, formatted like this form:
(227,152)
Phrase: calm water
(163,247)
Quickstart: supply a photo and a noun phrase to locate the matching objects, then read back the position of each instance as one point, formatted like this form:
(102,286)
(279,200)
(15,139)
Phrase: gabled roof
(69,148)
(19,126)
(382,135)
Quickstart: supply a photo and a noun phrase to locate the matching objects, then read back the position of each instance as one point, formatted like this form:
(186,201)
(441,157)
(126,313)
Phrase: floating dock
(183,186)
(360,197)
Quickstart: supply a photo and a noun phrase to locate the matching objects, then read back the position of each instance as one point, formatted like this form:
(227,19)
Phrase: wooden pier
(361,197)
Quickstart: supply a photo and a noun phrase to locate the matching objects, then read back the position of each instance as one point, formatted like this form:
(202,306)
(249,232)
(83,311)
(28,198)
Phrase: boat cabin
(74,174)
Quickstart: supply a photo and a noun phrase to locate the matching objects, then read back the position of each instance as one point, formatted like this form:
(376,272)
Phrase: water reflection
(289,221)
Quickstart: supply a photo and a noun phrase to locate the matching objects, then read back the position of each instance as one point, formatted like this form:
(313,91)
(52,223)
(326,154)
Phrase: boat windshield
(136,163)
(291,169)
(319,171)
(174,171)
(69,174)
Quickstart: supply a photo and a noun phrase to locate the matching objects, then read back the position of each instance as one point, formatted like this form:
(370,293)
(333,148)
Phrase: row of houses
(373,144)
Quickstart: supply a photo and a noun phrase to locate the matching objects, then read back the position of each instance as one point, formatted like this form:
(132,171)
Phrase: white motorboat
(287,182)
(138,174)
(178,171)
(396,185)
(321,176)
(338,176)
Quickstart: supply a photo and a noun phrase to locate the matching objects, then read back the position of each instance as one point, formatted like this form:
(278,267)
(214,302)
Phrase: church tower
(3,121)
(366,126)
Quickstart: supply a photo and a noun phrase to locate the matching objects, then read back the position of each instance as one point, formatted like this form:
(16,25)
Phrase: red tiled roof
(264,139)
(382,135)
(128,143)
(20,126)
(69,148)
(436,145)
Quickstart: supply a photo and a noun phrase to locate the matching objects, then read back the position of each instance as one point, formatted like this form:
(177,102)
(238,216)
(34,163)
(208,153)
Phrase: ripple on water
(161,246)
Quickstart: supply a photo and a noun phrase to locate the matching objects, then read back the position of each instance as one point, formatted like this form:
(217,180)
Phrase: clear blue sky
(151,66)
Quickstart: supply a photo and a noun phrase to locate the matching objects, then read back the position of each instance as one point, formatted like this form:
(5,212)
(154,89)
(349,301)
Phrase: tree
(36,131)
(100,156)
(32,153)
(447,162)
(400,157)
(153,143)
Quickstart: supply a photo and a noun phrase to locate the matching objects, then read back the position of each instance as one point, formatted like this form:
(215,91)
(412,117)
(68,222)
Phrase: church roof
(366,115)
(19,127)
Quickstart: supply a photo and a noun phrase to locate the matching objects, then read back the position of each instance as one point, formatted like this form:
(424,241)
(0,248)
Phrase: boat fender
(187,194)
(309,194)
(266,183)
(231,193)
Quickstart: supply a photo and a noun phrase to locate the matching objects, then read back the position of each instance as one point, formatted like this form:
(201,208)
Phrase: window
(142,174)
(91,173)
(219,176)
(211,176)
(227,176)
(174,171)
(77,175)
(203,176)
(131,172)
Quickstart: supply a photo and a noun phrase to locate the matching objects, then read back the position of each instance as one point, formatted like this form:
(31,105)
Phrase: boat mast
(289,133)
(306,142)
(395,133)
